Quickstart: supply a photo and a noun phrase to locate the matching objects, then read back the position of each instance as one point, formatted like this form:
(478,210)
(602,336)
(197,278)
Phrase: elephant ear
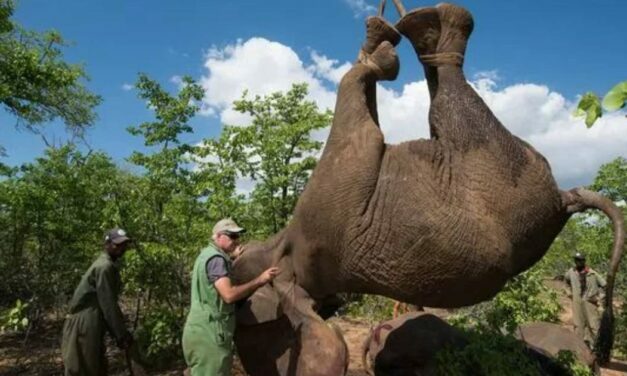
(260,307)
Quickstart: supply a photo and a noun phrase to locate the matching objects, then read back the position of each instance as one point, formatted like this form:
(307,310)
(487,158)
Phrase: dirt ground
(41,355)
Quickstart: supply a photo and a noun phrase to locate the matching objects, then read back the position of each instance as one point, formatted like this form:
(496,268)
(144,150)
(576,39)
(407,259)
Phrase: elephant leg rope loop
(443,58)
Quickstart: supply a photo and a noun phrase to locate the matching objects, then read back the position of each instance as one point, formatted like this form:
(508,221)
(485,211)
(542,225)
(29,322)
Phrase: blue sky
(528,59)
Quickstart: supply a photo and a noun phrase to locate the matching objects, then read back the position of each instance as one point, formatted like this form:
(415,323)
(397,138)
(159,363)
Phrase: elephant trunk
(577,200)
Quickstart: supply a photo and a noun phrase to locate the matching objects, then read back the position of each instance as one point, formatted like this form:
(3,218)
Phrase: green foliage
(36,85)
(616,97)
(159,336)
(621,330)
(488,353)
(15,319)
(524,299)
(279,154)
(591,106)
(52,217)
(373,308)
(568,360)
(611,180)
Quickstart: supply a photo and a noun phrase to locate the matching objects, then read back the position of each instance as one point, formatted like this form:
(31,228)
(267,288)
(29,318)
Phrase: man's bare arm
(231,294)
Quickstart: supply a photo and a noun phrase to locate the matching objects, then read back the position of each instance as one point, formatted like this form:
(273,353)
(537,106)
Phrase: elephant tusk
(400,8)
(381,8)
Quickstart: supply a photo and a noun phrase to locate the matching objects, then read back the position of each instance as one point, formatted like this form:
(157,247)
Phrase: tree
(36,84)
(165,216)
(611,180)
(279,152)
(52,219)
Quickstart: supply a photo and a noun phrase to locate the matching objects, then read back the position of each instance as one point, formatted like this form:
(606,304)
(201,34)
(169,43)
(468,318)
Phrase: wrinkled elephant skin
(439,222)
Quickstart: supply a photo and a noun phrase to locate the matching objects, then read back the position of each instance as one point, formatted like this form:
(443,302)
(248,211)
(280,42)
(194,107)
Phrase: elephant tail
(578,200)
(365,348)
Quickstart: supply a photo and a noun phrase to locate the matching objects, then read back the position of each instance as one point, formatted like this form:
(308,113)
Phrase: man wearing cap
(208,332)
(587,293)
(94,309)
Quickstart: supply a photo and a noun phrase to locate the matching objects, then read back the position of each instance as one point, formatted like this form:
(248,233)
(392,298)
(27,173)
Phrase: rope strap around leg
(443,58)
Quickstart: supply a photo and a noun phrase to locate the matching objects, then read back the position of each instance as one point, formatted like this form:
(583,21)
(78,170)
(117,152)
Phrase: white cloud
(531,111)
(327,68)
(261,67)
(127,87)
(360,7)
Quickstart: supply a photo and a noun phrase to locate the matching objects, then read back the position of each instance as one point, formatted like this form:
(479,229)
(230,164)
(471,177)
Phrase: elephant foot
(422,27)
(383,61)
(438,34)
(377,31)
(457,24)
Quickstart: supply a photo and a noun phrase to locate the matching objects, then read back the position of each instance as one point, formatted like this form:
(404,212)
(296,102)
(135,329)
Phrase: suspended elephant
(439,222)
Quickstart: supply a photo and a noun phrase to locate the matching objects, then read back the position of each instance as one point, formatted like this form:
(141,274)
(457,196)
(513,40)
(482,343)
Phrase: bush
(373,308)
(488,353)
(159,337)
(569,361)
(15,319)
(524,299)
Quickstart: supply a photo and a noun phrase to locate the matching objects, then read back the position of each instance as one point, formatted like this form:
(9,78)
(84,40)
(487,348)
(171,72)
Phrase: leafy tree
(279,153)
(218,164)
(165,215)
(611,180)
(36,84)
(52,217)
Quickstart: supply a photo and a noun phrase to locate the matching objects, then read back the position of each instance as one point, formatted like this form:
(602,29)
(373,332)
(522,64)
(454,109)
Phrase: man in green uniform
(93,310)
(587,293)
(208,332)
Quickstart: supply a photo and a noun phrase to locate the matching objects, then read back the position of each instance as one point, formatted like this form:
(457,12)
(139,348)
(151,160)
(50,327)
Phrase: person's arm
(106,278)
(231,294)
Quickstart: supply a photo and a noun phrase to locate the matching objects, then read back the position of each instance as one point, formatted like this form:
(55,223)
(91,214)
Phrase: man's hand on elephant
(268,275)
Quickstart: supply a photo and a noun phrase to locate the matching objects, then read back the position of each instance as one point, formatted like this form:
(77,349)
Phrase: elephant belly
(448,229)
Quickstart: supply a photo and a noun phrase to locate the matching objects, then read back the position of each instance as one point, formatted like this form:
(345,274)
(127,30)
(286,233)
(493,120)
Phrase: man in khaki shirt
(587,290)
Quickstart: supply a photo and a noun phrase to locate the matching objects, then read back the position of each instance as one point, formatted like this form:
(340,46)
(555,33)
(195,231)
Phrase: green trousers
(586,319)
(208,347)
(83,348)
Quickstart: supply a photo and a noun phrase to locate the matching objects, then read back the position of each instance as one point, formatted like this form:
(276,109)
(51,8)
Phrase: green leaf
(616,97)
(590,105)
(24,322)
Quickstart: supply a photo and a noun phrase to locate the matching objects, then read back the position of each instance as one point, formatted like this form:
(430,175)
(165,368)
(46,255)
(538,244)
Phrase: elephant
(267,342)
(408,344)
(549,339)
(440,222)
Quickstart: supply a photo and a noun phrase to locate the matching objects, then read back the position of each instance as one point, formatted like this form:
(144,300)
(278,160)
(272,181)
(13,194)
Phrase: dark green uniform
(208,332)
(587,293)
(93,310)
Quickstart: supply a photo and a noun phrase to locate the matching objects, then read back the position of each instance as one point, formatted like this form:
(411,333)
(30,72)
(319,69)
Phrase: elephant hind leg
(356,98)
(422,27)
(458,115)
